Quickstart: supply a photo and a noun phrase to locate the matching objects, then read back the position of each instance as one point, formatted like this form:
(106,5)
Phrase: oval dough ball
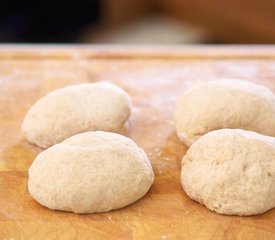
(231,171)
(224,103)
(74,109)
(90,172)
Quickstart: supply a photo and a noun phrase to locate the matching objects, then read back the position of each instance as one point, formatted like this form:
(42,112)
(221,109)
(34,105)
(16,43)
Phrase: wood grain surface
(154,78)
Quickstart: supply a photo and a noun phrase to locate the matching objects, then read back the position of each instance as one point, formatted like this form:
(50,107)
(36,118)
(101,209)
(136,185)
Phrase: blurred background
(137,21)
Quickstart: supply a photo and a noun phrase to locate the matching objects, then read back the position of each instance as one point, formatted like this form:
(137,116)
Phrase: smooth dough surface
(74,109)
(90,172)
(224,103)
(231,171)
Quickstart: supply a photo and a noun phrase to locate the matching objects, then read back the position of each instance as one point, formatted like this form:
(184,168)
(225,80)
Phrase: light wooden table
(154,77)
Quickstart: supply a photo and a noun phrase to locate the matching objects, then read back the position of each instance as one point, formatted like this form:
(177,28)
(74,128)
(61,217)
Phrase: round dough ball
(225,103)
(90,172)
(74,109)
(231,171)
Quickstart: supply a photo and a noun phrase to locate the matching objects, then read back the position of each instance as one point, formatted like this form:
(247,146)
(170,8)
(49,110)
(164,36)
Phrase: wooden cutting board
(154,78)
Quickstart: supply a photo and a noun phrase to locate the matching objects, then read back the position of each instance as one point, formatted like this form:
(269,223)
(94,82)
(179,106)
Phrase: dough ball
(231,171)
(225,103)
(90,172)
(74,109)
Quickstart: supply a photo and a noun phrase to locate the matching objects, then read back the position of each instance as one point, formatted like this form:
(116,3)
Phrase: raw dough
(90,172)
(231,171)
(74,109)
(225,103)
